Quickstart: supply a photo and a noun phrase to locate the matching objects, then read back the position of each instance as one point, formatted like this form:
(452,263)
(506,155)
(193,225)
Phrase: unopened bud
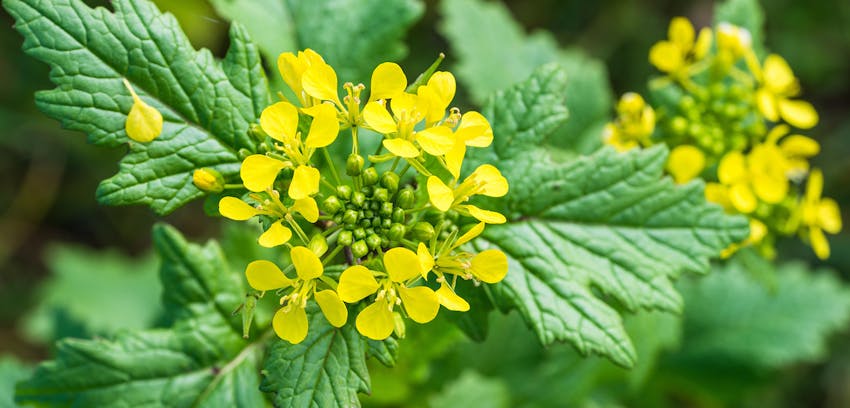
(389,181)
(359,249)
(370,176)
(345,238)
(208,180)
(405,199)
(422,231)
(354,165)
(373,241)
(332,205)
(381,194)
(358,198)
(350,217)
(344,192)
(397,232)
(256,132)
(318,244)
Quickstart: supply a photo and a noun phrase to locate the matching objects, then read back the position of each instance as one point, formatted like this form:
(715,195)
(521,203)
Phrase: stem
(333,254)
(355,145)
(395,163)
(404,170)
(297,229)
(232,365)
(423,78)
(330,162)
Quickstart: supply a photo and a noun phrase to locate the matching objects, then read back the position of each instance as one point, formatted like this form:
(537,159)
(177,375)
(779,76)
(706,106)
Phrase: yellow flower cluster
(403,245)
(721,110)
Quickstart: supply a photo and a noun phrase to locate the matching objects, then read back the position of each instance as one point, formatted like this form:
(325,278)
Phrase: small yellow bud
(144,122)
(208,180)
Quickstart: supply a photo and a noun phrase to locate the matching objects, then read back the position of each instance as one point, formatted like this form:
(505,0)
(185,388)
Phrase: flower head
(818,215)
(778,86)
(681,49)
(485,180)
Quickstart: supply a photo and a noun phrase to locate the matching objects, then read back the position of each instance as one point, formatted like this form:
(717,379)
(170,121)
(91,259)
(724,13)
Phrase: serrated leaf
(385,351)
(200,360)
(207,105)
(327,369)
(89,287)
(592,234)
(734,319)
(493,53)
(267,21)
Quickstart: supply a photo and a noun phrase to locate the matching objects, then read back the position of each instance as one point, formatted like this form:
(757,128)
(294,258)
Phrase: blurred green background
(63,257)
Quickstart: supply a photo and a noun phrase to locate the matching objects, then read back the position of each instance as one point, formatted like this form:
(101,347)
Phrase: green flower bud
(389,181)
(208,180)
(256,132)
(345,238)
(359,233)
(405,198)
(332,205)
(373,241)
(354,165)
(679,125)
(386,209)
(422,231)
(397,232)
(350,217)
(318,244)
(358,199)
(344,192)
(366,222)
(359,249)
(381,194)
(386,223)
(398,215)
(370,176)
(368,214)
(367,190)
(338,218)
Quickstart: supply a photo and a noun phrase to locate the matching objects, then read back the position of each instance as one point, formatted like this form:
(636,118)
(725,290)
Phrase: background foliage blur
(70,267)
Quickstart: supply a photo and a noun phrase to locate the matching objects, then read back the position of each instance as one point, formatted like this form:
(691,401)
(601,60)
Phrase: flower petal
(798,113)
(767,105)
(454,158)
(421,303)
(685,163)
(319,81)
(276,235)
(332,307)
(308,209)
(376,321)
(829,216)
(264,275)
(490,217)
(666,56)
(490,266)
(290,323)
(681,32)
(799,146)
(819,243)
(426,260)
(401,148)
(440,194)
(469,235)
(732,168)
(494,184)
(771,190)
(402,264)
(379,119)
(258,172)
(325,126)
(388,81)
(307,264)
(474,130)
(450,300)
(305,182)
(280,121)
(742,198)
(291,69)
(236,209)
(437,140)
(355,283)
(778,75)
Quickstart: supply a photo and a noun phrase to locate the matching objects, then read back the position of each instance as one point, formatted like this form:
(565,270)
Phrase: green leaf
(267,21)
(743,13)
(385,351)
(352,35)
(200,360)
(471,389)
(11,371)
(594,234)
(733,319)
(506,56)
(327,369)
(90,287)
(207,105)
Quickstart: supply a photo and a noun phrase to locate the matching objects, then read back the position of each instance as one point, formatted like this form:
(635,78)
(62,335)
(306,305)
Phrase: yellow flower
(473,130)
(292,67)
(734,40)
(277,233)
(778,86)
(818,215)
(488,266)
(439,92)
(485,180)
(761,175)
(685,163)
(407,111)
(796,149)
(280,122)
(402,266)
(634,125)
(290,321)
(675,55)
